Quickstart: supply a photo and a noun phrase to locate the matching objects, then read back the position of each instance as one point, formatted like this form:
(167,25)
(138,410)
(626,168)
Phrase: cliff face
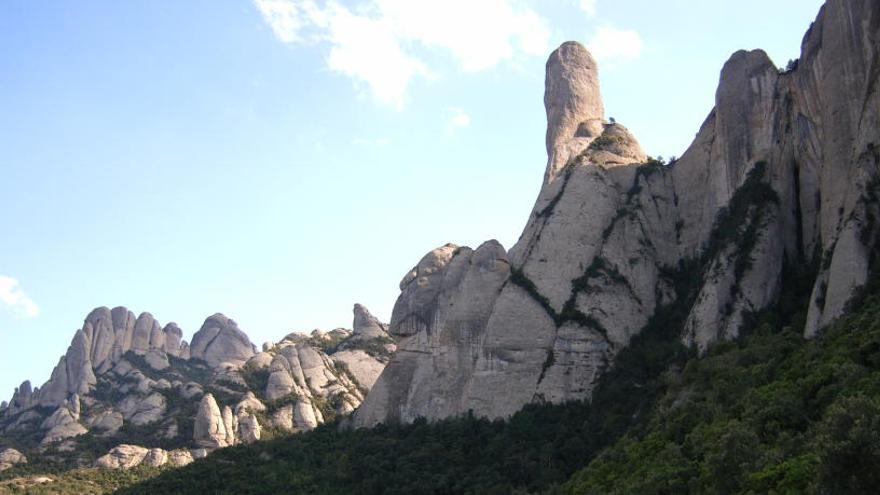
(781,173)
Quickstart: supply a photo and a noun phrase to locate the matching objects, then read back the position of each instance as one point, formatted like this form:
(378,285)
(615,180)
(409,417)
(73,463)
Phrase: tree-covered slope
(771,413)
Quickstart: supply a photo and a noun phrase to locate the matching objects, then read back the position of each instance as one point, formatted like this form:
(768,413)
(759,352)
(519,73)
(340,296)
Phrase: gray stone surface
(367,326)
(220,341)
(10,457)
(574,105)
(588,271)
(209,430)
(124,457)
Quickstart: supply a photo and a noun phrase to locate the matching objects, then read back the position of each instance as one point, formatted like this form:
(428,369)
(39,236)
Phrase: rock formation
(129,456)
(368,350)
(782,176)
(210,426)
(10,458)
(301,371)
(121,370)
(102,342)
(367,326)
(248,429)
(783,173)
(64,422)
(575,114)
(220,342)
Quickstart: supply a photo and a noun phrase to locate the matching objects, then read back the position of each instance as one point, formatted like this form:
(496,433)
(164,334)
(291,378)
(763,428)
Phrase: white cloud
(368,51)
(12,295)
(285,18)
(588,6)
(457,118)
(477,33)
(381,44)
(615,45)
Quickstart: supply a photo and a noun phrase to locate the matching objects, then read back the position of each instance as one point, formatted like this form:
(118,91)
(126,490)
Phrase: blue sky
(280,160)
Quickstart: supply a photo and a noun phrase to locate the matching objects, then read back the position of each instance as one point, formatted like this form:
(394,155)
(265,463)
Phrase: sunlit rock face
(783,172)
(220,342)
(123,375)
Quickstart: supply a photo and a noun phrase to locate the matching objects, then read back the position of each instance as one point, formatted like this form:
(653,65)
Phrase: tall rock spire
(573,103)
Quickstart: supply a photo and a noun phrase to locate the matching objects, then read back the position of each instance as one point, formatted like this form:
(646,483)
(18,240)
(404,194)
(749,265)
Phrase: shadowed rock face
(785,161)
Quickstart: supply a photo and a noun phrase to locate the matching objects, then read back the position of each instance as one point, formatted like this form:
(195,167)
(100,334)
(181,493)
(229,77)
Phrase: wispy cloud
(588,6)
(610,44)
(456,119)
(381,44)
(14,298)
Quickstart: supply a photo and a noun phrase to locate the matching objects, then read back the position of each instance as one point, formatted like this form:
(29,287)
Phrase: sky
(280,160)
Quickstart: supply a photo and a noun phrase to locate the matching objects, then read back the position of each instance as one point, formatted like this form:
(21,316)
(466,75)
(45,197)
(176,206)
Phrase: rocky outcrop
(446,301)
(64,422)
(97,347)
(122,457)
(129,456)
(367,326)
(209,430)
(22,399)
(174,343)
(783,173)
(249,404)
(106,422)
(816,129)
(248,429)
(363,367)
(10,458)
(283,418)
(134,371)
(301,371)
(220,342)
(180,457)
(488,331)
(574,106)
(367,351)
(142,410)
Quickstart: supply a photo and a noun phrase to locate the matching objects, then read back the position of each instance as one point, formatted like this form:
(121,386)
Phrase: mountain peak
(367,325)
(573,103)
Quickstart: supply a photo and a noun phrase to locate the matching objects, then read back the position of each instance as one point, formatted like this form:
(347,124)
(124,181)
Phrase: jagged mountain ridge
(127,380)
(782,172)
(488,330)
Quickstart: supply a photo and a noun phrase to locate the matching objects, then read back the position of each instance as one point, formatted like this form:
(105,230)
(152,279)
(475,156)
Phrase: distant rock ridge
(105,337)
(783,172)
(121,370)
